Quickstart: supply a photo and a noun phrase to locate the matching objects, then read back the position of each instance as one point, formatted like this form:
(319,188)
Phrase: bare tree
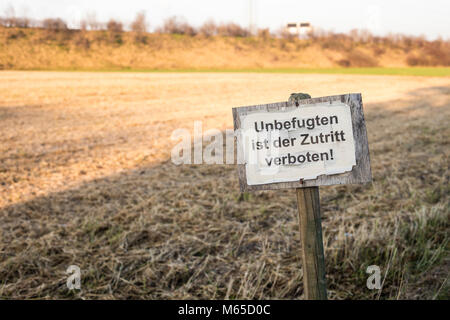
(264,33)
(114,26)
(233,30)
(175,25)
(83,25)
(24,21)
(10,16)
(11,20)
(54,24)
(209,28)
(139,24)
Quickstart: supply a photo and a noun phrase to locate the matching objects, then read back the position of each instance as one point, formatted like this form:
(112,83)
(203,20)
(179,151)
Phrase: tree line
(433,53)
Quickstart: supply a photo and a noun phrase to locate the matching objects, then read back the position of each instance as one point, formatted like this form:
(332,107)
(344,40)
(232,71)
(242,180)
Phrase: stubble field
(86,179)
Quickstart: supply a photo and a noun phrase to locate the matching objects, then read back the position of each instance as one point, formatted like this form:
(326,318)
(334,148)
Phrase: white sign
(312,142)
(303,143)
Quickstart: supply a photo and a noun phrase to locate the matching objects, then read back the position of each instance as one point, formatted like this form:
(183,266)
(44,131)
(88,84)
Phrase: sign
(320,141)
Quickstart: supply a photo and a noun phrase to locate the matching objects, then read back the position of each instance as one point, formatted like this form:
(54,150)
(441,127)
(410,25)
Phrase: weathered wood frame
(361,172)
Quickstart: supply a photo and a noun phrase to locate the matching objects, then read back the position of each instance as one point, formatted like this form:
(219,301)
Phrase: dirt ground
(86,179)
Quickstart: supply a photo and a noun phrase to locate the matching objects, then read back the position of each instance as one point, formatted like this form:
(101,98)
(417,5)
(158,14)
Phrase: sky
(429,18)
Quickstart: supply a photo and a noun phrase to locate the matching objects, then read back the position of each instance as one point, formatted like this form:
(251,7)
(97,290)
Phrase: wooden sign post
(304,144)
(311,236)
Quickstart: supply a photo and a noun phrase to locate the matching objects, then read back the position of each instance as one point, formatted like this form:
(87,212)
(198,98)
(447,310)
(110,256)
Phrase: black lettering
(334,119)
(291,159)
(323,155)
(301,158)
(256,127)
(305,136)
(317,120)
(278,125)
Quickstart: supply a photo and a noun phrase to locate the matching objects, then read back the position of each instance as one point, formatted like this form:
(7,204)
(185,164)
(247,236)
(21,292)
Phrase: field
(86,179)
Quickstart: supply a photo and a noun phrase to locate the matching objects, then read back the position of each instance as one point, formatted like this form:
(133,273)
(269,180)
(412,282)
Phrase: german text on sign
(319,141)
(300,144)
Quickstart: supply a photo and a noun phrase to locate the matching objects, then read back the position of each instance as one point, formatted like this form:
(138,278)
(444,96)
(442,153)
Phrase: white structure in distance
(299,29)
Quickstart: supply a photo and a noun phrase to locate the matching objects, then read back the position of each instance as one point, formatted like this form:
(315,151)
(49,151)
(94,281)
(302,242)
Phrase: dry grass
(85,179)
(214,47)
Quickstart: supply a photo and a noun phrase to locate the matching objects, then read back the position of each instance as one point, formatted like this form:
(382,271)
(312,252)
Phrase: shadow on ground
(167,231)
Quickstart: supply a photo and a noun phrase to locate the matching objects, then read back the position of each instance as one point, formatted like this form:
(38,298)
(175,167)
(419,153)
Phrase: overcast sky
(430,18)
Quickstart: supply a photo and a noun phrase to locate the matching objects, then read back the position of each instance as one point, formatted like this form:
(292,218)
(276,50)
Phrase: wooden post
(312,244)
(354,152)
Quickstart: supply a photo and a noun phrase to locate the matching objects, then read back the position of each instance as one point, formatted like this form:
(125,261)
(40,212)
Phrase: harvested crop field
(86,179)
